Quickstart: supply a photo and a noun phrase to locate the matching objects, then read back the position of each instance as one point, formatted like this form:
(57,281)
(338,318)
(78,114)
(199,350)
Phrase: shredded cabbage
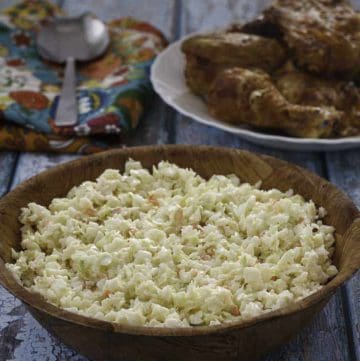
(169,248)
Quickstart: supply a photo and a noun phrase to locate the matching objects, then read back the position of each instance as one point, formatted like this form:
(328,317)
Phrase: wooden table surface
(335,332)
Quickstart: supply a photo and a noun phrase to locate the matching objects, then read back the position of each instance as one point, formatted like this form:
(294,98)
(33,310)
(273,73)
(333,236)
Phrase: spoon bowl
(68,40)
(82,38)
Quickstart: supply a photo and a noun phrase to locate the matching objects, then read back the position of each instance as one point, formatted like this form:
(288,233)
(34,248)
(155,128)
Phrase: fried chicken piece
(302,88)
(207,55)
(322,35)
(200,73)
(243,96)
(236,49)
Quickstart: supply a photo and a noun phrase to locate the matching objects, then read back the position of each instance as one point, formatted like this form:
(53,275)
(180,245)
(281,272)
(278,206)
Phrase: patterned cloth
(113,91)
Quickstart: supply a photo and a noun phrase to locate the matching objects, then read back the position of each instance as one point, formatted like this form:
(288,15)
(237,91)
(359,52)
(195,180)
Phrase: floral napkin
(113,91)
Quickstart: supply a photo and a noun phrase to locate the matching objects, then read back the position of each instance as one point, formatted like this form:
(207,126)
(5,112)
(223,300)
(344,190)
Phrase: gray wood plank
(355,4)
(7,164)
(325,339)
(158,12)
(344,171)
(191,132)
(21,337)
(30,164)
(6,3)
(7,302)
(155,126)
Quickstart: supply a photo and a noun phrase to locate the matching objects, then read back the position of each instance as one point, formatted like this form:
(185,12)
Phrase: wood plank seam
(349,312)
(348,321)
(171,116)
(177,19)
(351,333)
(12,173)
(179,33)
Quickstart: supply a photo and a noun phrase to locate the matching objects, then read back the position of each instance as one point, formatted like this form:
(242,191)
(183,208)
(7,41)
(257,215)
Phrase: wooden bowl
(244,340)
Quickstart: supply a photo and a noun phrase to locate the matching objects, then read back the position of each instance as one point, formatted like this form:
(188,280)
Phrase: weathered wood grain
(318,341)
(191,132)
(21,337)
(30,164)
(7,164)
(155,126)
(326,338)
(160,13)
(6,3)
(355,4)
(12,313)
(344,171)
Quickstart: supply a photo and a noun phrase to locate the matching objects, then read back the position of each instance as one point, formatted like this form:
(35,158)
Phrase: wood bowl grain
(246,341)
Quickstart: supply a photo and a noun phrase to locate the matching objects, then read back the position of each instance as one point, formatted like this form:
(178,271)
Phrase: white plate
(168,81)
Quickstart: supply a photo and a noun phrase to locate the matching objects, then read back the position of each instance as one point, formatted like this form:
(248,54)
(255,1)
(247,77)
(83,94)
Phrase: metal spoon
(68,40)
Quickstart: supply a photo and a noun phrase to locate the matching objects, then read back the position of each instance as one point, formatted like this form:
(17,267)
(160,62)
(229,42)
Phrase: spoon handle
(66,112)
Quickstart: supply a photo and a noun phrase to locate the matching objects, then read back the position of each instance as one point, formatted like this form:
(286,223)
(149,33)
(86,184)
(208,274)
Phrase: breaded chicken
(206,55)
(302,88)
(323,36)
(200,73)
(292,69)
(244,96)
(236,49)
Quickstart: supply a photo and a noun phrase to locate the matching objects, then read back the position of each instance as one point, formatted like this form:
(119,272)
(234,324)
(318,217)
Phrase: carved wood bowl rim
(167,151)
